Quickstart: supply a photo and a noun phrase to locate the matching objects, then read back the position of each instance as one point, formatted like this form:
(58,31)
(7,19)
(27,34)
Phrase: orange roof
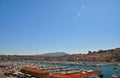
(75,75)
(33,70)
(82,74)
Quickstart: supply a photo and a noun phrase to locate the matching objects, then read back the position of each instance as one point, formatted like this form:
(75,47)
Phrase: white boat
(115,76)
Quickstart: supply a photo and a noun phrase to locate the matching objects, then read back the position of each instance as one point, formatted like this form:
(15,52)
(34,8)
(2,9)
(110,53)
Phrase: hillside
(110,55)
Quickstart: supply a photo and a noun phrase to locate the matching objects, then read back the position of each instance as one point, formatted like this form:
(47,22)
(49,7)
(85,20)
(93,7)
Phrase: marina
(13,69)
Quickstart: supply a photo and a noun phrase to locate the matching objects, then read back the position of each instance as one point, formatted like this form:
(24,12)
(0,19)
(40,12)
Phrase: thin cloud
(83,7)
(79,14)
(81,10)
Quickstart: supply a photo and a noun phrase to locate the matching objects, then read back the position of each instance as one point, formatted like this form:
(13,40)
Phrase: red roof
(75,75)
(33,70)
(81,74)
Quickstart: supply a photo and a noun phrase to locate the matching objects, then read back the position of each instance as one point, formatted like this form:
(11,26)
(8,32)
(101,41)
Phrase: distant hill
(54,54)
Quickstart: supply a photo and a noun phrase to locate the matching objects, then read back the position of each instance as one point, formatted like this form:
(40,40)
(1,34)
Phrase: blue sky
(72,26)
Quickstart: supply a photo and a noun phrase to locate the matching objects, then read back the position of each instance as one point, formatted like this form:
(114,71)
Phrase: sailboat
(117,75)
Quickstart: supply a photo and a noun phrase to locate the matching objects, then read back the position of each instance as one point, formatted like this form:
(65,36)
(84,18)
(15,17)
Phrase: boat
(115,76)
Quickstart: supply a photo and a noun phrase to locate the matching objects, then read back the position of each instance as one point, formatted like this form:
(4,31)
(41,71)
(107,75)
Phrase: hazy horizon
(72,26)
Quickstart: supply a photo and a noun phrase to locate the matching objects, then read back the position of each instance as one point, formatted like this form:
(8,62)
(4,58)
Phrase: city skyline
(44,26)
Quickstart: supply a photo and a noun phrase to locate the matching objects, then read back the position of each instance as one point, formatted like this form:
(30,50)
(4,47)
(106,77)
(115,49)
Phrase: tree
(89,52)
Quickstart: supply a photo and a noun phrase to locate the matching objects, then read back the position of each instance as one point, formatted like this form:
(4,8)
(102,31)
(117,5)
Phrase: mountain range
(54,54)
